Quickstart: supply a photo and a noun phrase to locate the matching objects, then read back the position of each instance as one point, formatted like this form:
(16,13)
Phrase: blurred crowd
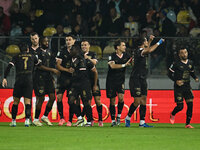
(107,18)
(101,17)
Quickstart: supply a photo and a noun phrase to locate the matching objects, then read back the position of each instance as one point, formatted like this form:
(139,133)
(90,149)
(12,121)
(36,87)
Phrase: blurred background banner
(159,105)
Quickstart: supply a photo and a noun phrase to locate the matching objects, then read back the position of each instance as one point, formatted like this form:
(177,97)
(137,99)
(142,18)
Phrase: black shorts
(113,88)
(82,89)
(23,87)
(43,85)
(63,84)
(98,92)
(138,86)
(181,93)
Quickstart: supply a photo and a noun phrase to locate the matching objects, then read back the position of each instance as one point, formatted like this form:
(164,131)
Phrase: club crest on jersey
(41,91)
(190,66)
(179,98)
(138,93)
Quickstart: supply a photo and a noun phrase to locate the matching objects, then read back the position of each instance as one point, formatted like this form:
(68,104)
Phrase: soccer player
(63,64)
(24,63)
(91,56)
(35,47)
(115,79)
(44,83)
(81,85)
(137,82)
(180,72)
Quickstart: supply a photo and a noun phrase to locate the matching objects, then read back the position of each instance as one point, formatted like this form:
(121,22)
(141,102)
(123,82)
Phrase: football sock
(71,112)
(131,110)
(120,107)
(28,111)
(47,110)
(88,110)
(37,113)
(112,112)
(77,110)
(99,110)
(189,112)
(60,109)
(142,112)
(14,111)
(83,112)
(178,108)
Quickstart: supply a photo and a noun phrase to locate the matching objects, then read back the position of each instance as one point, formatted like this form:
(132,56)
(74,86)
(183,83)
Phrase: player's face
(85,46)
(122,47)
(70,41)
(35,40)
(45,42)
(183,54)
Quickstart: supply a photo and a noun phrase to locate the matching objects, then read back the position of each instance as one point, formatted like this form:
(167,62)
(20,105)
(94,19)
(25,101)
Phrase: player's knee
(121,99)
(112,101)
(52,97)
(98,103)
(59,98)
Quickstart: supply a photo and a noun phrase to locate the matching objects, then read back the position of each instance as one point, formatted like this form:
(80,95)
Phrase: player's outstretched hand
(4,82)
(70,70)
(57,72)
(95,88)
(128,63)
(151,37)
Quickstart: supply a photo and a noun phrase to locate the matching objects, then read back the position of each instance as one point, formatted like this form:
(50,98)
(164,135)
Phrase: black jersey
(45,57)
(24,63)
(34,52)
(81,67)
(182,71)
(117,75)
(91,55)
(140,64)
(64,56)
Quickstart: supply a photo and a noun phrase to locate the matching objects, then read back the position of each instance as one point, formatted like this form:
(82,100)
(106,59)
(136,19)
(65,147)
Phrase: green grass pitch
(161,137)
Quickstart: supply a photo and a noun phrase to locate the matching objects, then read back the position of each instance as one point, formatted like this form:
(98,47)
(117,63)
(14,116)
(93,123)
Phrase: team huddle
(78,76)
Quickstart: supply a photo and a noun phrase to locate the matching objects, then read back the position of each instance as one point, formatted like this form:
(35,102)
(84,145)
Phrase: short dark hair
(86,40)
(71,35)
(42,39)
(34,33)
(117,43)
(181,48)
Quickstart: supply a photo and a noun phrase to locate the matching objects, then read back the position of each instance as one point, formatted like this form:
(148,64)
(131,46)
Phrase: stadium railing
(158,61)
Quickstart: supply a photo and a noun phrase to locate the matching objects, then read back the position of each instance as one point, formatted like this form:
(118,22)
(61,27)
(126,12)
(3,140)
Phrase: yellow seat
(183,17)
(39,12)
(97,50)
(49,31)
(108,50)
(12,50)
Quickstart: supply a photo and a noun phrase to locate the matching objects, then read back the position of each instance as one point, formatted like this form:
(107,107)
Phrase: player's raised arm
(149,49)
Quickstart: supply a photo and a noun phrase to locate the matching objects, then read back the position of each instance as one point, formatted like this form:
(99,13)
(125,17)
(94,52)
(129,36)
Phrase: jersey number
(25,62)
